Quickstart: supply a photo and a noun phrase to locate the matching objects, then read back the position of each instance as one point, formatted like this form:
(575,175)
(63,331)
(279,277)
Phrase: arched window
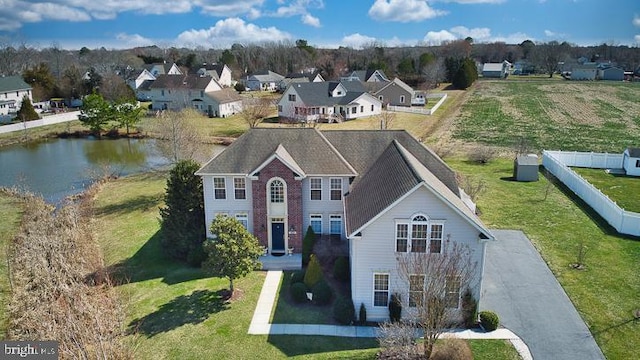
(276,191)
(419,233)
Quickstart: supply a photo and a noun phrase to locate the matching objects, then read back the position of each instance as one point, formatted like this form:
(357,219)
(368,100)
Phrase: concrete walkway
(260,323)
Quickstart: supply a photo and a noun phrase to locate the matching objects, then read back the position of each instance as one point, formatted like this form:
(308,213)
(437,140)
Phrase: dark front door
(277,237)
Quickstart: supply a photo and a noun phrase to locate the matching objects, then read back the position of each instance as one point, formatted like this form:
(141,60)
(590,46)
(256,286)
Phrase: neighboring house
(368,76)
(299,78)
(163,69)
(324,101)
(220,72)
(140,83)
(496,70)
(265,81)
(586,71)
(203,93)
(611,73)
(395,93)
(381,191)
(631,161)
(12,91)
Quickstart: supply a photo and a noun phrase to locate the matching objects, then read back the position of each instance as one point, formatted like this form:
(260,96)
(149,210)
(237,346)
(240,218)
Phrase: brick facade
(294,204)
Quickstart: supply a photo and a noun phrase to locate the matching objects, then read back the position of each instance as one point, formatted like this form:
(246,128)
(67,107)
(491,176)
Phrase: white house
(12,91)
(328,100)
(370,75)
(382,192)
(265,81)
(631,161)
(140,83)
(299,78)
(496,70)
(220,72)
(586,71)
(163,69)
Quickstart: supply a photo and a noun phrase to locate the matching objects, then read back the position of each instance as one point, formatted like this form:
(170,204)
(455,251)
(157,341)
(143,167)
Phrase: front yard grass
(619,188)
(606,292)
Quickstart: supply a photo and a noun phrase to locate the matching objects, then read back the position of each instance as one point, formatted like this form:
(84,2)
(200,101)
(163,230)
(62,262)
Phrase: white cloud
(310,20)
(549,33)
(636,20)
(637,39)
(357,40)
(229,31)
(437,37)
(403,10)
(133,40)
(478,34)
(515,38)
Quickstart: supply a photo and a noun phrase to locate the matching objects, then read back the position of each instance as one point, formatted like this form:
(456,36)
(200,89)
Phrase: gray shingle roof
(319,93)
(224,96)
(13,83)
(634,152)
(193,82)
(308,148)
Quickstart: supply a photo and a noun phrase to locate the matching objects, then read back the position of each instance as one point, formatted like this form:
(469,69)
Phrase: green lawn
(552,115)
(619,188)
(10,210)
(606,292)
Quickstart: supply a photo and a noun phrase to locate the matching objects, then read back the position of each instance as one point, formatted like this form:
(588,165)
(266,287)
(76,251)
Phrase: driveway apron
(521,289)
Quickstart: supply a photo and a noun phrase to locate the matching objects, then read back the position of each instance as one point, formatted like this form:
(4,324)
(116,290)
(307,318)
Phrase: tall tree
(96,113)
(27,112)
(179,137)
(255,110)
(93,81)
(465,76)
(114,89)
(232,252)
(127,114)
(548,55)
(183,228)
(42,81)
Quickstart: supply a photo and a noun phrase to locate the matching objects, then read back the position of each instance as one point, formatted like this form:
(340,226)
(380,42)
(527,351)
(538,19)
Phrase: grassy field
(618,188)
(10,210)
(552,115)
(606,292)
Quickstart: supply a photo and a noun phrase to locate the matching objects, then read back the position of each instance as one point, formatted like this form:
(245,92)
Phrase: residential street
(521,289)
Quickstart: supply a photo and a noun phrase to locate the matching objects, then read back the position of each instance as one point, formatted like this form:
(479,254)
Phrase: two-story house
(12,91)
(219,72)
(383,192)
(320,101)
(163,68)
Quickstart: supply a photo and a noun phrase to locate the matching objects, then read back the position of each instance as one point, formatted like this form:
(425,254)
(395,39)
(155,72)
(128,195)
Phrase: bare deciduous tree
(179,137)
(386,119)
(435,283)
(471,187)
(255,110)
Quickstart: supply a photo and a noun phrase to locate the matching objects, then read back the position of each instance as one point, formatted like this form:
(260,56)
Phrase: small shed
(525,168)
(631,161)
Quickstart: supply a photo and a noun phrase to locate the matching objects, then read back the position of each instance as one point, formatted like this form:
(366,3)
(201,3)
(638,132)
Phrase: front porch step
(284,262)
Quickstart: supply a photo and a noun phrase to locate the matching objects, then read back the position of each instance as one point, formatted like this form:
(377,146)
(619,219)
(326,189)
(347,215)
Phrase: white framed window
(279,108)
(361,108)
(219,188)
(452,292)
(335,224)
(435,238)
(380,289)
(316,223)
(292,97)
(419,227)
(380,97)
(336,189)
(402,237)
(276,191)
(416,290)
(402,99)
(638,163)
(371,107)
(354,109)
(243,218)
(239,188)
(315,185)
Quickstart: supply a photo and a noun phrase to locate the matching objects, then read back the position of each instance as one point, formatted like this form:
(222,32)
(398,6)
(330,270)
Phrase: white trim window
(419,227)
(243,218)
(435,238)
(419,235)
(276,191)
(315,186)
(219,188)
(316,223)
(336,189)
(416,290)
(239,188)
(452,292)
(380,290)
(335,224)
(402,236)
(402,99)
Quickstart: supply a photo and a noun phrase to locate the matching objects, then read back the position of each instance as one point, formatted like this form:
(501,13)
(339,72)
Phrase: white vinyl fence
(421,110)
(558,162)
(47,120)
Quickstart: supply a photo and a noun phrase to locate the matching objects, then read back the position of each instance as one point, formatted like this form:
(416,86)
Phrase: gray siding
(230,205)
(325,207)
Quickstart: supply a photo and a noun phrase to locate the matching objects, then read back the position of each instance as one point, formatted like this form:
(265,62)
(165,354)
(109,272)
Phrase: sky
(116,24)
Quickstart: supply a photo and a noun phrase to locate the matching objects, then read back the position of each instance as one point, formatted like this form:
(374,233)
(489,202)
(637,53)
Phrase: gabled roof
(308,148)
(634,152)
(409,174)
(370,75)
(191,82)
(266,76)
(224,96)
(319,93)
(216,69)
(13,83)
(283,155)
(492,67)
(394,82)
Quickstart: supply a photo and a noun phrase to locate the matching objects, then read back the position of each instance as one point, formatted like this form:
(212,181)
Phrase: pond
(58,168)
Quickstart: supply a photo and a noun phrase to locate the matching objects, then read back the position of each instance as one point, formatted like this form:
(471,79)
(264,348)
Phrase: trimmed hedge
(296,277)
(469,309)
(314,272)
(489,320)
(343,310)
(362,316)
(299,292)
(322,293)
(341,269)
(307,245)
(395,308)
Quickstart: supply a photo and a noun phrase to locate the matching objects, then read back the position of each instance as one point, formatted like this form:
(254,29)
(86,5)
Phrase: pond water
(61,167)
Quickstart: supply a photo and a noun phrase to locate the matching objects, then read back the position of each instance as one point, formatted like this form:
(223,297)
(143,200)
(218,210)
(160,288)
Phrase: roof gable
(283,155)
(13,83)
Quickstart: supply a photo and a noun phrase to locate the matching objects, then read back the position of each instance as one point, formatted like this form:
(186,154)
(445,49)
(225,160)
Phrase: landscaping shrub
(341,269)
(307,245)
(362,316)
(299,292)
(395,308)
(452,349)
(322,293)
(469,309)
(489,320)
(314,272)
(397,341)
(343,310)
(481,154)
(296,277)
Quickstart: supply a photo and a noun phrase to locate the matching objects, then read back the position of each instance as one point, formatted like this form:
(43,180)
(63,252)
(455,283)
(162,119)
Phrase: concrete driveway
(521,289)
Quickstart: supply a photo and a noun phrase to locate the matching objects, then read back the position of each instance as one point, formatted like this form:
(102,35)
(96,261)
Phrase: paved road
(521,289)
